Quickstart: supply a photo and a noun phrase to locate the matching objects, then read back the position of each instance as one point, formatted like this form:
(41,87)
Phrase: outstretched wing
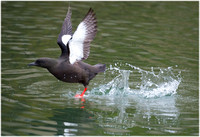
(66,33)
(79,45)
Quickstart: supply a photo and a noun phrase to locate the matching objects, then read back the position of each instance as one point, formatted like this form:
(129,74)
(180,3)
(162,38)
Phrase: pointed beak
(32,64)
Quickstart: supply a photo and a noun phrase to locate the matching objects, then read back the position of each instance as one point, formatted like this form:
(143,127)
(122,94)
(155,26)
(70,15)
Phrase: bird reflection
(82,102)
(74,121)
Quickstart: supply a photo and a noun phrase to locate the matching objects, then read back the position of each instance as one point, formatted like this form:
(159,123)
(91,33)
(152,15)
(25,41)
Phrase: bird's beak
(32,64)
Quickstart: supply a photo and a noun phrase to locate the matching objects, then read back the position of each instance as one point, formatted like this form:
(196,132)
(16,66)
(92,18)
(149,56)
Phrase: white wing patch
(76,44)
(66,38)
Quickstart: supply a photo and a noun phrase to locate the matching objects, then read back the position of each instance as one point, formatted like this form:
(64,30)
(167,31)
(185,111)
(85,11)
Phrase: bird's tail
(100,67)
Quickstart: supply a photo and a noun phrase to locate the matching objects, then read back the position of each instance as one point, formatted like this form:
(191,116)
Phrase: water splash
(118,86)
(132,96)
(154,84)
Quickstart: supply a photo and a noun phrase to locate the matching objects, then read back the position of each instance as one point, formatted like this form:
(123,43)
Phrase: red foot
(78,96)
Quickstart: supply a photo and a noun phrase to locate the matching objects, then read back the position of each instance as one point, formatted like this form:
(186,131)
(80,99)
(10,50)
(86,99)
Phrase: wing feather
(66,33)
(80,43)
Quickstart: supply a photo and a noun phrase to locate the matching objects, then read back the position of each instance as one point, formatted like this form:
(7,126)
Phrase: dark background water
(143,34)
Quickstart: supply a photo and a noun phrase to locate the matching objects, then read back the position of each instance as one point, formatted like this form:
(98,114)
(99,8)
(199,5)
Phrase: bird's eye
(40,61)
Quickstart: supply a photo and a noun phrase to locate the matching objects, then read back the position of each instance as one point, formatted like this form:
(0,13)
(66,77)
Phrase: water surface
(150,86)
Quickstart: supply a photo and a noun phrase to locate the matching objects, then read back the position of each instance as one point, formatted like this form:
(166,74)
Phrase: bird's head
(44,63)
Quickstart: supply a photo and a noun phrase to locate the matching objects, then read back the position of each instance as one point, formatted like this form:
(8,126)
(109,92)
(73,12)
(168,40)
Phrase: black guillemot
(74,48)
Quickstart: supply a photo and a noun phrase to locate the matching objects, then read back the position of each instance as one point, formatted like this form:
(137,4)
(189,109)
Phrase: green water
(142,34)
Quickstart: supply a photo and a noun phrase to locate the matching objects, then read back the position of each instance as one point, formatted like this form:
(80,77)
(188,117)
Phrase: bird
(75,48)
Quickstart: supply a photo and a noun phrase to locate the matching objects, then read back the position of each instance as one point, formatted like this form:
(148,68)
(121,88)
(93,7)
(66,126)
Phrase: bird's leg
(83,92)
(80,96)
